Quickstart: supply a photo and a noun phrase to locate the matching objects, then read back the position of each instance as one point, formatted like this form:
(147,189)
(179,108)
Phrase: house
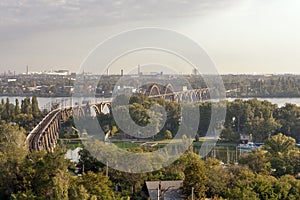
(164,190)
(245,138)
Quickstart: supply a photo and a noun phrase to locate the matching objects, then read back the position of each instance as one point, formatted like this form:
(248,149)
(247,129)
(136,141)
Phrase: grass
(126,145)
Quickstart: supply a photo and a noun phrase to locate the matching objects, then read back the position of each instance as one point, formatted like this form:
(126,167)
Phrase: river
(45,102)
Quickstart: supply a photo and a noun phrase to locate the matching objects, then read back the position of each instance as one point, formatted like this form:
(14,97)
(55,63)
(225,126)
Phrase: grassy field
(226,152)
(126,145)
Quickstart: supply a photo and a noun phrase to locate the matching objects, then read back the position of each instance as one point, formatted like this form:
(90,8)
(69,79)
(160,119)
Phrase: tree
(173,115)
(205,117)
(257,161)
(283,154)
(280,144)
(96,185)
(241,182)
(261,128)
(35,108)
(88,163)
(78,192)
(168,134)
(12,154)
(25,121)
(218,178)
(17,108)
(7,110)
(26,106)
(47,174)
(194,176)
(288,116)
(288,187)
(228,134)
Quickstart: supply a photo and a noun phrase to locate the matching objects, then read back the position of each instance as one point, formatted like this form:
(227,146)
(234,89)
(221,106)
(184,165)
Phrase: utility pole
(158,190)
(192,193)
(228,156)
(106,168)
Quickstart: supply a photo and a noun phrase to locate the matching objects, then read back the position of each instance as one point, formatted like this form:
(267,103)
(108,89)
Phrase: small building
(164,190)
(245,138)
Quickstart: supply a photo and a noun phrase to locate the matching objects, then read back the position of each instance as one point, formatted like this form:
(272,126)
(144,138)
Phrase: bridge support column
(47,140)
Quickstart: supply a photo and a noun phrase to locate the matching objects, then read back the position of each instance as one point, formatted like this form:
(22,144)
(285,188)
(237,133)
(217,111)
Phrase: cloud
(68,13)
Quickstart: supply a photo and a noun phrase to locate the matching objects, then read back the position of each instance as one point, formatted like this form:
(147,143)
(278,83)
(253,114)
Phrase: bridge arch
(78,111)
(153,90)
(96,109)
(168,89)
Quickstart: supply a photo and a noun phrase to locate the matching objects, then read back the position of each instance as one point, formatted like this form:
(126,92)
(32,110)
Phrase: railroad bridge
(46,134)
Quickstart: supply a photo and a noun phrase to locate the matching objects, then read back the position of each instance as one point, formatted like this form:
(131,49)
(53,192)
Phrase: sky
(240,36)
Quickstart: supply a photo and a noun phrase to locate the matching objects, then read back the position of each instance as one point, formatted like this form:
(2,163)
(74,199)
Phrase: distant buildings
(55,73)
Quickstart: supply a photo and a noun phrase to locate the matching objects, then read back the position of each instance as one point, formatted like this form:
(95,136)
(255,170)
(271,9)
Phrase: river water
(46,102)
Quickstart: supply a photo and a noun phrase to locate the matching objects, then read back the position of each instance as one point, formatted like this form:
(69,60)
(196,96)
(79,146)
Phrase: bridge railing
(38,128)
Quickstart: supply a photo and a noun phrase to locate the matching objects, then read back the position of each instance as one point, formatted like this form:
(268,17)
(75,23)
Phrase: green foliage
(168,134)
(27,116)
(280,144)
(194,176)
(88,163)
(266,173)
(12,154)
(94,185)
(27,195)
(284,156)
(258,161)
(228,134)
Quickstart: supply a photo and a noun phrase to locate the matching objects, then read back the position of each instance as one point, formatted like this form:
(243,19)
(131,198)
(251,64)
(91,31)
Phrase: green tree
(257,161)
(17,108)
(47,174)
(218,179)
(283,154)
(35,108)
(96,185)
(12,154)
(77,192)
(228,134)
(7,109)
(288,187)
(288,116)
(168,134)
(26,106)
(194,176)
(25,121)
(280,144)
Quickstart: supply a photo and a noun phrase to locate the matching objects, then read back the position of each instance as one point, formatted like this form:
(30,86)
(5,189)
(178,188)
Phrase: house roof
(170,190)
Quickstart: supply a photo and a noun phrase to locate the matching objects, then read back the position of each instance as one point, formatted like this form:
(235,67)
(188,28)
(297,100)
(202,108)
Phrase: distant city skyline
(241,37)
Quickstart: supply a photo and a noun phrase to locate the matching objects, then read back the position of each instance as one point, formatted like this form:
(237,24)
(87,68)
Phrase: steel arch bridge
(46,134)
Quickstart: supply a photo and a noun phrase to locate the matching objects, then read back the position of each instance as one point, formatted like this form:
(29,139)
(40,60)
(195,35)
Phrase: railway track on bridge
(34,136)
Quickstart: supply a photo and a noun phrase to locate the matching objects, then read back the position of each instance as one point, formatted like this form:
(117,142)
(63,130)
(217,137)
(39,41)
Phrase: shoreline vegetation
(269,172)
